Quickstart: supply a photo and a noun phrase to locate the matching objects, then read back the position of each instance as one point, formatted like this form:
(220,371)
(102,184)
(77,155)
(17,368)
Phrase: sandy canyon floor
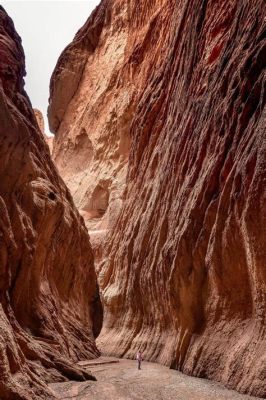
(121,380)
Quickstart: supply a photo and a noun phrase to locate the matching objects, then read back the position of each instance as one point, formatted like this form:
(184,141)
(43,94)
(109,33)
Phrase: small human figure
(139,359)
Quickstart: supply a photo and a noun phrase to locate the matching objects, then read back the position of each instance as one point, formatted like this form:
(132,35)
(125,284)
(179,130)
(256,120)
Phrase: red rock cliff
(48,289)
(92,103)
(183,276)
(40,120)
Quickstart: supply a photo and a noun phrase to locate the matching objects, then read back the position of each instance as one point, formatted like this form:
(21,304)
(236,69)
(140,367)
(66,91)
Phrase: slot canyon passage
(141,224)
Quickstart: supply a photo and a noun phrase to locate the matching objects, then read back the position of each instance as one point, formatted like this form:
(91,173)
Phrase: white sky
(46,28)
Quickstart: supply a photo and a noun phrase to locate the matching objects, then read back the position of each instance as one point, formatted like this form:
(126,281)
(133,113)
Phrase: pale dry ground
(121,380)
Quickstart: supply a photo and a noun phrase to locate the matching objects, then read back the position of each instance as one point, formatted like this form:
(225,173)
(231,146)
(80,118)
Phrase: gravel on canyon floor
(121,380)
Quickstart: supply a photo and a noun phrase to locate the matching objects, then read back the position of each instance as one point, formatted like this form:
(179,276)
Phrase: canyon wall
(48,291)
(159,113)
(92,103)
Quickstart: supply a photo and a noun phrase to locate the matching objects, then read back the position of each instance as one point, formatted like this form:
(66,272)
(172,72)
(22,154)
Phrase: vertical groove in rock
(48,288)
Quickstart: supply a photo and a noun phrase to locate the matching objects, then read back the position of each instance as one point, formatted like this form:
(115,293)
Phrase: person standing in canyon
(139,359)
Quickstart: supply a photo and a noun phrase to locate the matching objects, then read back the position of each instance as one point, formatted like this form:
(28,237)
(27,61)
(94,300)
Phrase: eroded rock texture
(40,120)
(48,289)
(176,89)
(91,107)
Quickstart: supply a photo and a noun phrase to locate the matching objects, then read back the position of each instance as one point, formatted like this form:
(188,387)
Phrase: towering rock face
(48,290)
(176,91)
(91,107)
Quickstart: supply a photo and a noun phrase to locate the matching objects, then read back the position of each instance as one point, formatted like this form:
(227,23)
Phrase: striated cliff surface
(48,288)
(94,93)
(173,93)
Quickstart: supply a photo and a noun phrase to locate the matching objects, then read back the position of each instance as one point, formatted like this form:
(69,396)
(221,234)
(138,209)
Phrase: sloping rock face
(48,288)
(91,107)
(183,274)
(40,120)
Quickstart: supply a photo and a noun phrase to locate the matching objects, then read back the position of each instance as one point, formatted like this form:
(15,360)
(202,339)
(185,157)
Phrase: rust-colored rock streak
(183,275)
(48,289)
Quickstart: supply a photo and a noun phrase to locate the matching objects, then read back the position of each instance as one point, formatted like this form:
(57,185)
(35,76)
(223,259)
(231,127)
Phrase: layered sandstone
(48,292)
(173,91)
